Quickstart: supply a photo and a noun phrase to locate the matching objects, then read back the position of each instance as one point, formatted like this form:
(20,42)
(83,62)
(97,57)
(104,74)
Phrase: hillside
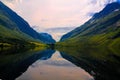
(95,46)
(10,20)
(47,38)
(15,30)
(103,29)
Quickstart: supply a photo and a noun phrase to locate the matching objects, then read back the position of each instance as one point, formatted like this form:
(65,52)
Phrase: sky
(56,17)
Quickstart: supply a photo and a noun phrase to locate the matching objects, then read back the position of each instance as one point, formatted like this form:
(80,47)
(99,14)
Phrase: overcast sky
(56,17)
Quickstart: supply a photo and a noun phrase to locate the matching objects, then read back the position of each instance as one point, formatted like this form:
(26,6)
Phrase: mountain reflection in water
(68,64)
(13,65)
(101,63)
(54,68)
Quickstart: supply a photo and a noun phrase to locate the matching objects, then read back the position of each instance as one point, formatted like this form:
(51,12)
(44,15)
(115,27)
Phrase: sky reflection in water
(55,68)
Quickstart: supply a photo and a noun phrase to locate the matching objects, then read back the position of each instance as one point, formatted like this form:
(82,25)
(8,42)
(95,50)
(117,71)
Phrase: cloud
(9,0)
(58,31)
(18,1)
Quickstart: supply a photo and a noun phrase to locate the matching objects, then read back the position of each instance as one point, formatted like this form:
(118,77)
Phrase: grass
(98,46)
(10,35)
(12,38)
(104,34)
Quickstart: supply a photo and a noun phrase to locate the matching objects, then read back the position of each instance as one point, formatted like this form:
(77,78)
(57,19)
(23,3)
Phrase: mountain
(102,29)
(107,10)
(95,46)
(47,38)
(14,29)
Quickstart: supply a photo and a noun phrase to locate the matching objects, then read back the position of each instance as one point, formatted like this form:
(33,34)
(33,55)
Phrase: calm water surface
(54,68)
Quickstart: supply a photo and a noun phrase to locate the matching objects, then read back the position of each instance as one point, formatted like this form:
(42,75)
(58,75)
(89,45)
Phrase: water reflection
(13,65)
(69,64)
(103,64)
(55,68)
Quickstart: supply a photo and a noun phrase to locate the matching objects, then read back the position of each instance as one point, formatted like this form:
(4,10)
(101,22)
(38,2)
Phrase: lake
(54,68)
(65,64)
(40,65)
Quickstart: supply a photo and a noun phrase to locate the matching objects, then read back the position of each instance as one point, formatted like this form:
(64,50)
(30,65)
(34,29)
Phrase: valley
(89,52)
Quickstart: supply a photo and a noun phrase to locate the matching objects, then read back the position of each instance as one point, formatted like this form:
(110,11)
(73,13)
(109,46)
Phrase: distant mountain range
(46,38)
(102,29)
(14,29)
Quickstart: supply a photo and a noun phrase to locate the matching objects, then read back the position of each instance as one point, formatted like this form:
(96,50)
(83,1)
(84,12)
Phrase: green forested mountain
(10,33)
(95,46)
(15,30)
(103,29)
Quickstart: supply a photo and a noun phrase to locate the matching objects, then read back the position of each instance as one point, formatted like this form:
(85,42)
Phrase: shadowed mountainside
(14,29)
